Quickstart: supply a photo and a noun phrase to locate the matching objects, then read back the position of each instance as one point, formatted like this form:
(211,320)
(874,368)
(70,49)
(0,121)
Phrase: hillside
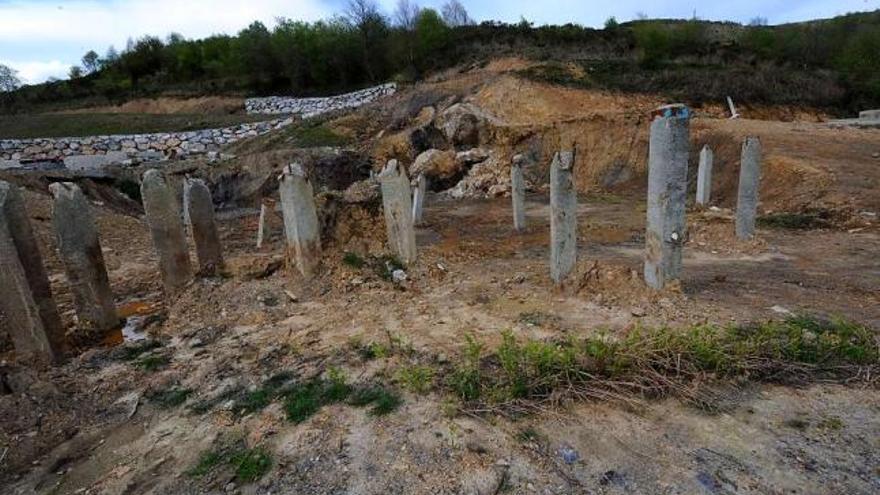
(830,64)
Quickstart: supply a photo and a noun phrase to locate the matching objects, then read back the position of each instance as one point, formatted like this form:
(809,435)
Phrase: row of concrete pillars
(25,294)
(667,188)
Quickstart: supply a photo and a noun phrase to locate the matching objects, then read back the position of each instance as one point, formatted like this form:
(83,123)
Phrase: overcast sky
(43,38)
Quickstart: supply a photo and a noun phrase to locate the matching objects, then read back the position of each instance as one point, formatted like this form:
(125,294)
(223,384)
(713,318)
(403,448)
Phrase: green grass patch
(661,362)
(249,465)
(417,379)
(353,260)
(796,221)
(152,362)
(170,397)
(130,352)
(304,400)
(25,126)
(314,134)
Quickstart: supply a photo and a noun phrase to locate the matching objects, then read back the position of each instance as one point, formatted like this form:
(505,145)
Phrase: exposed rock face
(465,125)
(436,164)
(308,107)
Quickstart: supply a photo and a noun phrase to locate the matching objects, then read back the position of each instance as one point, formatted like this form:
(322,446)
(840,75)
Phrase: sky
(43,38)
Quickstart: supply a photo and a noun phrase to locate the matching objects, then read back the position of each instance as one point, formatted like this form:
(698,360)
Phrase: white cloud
(79,25)
(36,72)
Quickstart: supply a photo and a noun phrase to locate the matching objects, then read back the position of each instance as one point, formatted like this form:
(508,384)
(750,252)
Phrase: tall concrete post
(419,198)
(83,259)
(667,186)
(261,227)
(749,183)
(200,211)
(518,193)
(704,176)
(563,217)
(397,205)
(300,219)
(25,294)
(166,228)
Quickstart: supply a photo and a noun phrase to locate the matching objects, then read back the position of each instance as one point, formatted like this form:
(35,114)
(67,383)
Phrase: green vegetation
(92,124)
(303,401)
(796,221)
(417,379)
(249,464)
(152,362)
(658,362)
(170,397)
(353,260)
(835,63)
(129,352)
(309,134)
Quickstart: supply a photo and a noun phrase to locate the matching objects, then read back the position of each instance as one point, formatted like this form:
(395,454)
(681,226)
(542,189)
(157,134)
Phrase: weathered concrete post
(261,227)
(749,182)
(166,227)
(563,217)
(200,210)
(419,198)
(704,176)
(300,219)
(25,294)
(83,260)
(667,185)
(397,205)
(518,193)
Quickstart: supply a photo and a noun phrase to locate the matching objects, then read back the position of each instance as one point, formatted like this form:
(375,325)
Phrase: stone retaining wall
(171,145)
(308,107)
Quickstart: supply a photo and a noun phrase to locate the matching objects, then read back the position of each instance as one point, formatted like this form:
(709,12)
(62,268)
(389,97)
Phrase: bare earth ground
(90,426)
(769,439)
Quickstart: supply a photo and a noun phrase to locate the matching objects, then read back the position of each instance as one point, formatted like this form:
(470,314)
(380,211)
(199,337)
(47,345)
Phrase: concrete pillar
(166,227)
(25,295)
(80,251)
(419,198)
(749,182)
(518,193)
(397,205)
(200,211)
(300,219)
(704,176)
(261,227)
(563,217)
(667,185)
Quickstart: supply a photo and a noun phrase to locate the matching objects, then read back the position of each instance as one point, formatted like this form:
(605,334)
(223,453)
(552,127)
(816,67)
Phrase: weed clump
(249,464)
(417,379)
(521,376)
(170,397)
(796,221)
(304,400)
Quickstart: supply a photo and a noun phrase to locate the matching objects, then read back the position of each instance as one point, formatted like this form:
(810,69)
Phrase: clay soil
(91,426)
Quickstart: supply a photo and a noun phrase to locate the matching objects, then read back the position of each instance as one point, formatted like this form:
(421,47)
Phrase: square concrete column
(563,217)
(749,183)
(166,228)
(419,198)
(667,186)
(300,219)
(200,211)
(518,193)
(25,294)
(704,176)
(80,251)
(397,205)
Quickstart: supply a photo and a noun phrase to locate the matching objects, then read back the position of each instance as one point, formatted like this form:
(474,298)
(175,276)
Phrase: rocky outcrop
(309,107)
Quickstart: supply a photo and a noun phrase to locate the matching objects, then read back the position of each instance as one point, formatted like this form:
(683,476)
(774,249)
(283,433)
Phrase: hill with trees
(832,64)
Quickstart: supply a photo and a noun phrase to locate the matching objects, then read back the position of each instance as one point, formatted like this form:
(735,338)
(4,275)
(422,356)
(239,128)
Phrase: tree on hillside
(372,27)
(9,80)
(406,13)
(90,62)
(454,14)
(75,72)
(142,58)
